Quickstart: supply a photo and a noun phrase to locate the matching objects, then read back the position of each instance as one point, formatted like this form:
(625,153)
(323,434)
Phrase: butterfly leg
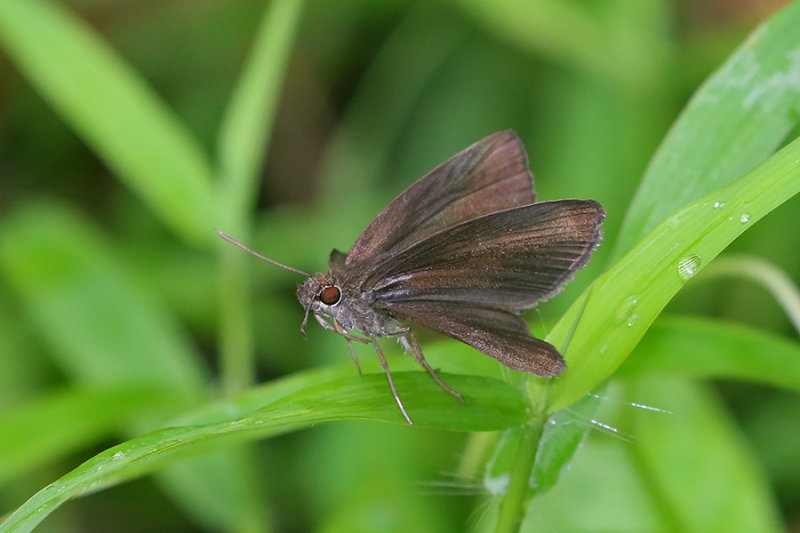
(410,343)
(341,331)
(337,328)
(385,366)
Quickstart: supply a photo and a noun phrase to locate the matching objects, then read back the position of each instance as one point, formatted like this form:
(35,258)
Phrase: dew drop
(632,320)
(744,219)
(717,205)
(117,456)
(689,266)
(626,310)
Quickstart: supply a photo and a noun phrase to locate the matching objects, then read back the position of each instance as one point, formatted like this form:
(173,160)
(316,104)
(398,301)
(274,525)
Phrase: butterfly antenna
(267,259)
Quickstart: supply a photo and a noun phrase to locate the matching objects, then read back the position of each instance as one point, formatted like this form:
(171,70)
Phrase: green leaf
(101,324)
(105,330)
(766,274)
(488,405)
(580,36)
(708,348)
(35,434)
(248,121)
(564,433)
(243,140)
(745,108)
(716,487)
(687,470)
(114,111)
(361,147)
(723,133)
(737,118)
(619,306)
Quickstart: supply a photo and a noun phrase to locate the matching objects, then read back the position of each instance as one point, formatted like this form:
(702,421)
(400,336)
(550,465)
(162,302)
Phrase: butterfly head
(320,294)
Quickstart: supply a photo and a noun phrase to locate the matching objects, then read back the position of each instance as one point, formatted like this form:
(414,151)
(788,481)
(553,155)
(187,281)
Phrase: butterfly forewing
(507,260)
(491,175)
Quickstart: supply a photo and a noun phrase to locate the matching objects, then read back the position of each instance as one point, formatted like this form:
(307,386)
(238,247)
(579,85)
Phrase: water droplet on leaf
(627,309)
(689,266)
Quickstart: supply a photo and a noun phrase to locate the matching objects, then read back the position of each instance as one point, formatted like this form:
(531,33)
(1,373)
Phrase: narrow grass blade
(689,471)
(242,145)
(114,111)
(619,306)
(716,487)
(737,119)
(699,347)
(768,275)
(104,329)
(101,325)
(247,124)
(35,434)
(488,405)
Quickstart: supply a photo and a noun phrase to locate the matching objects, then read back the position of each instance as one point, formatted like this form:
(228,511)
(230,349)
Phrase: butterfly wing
(498,334)
(491,175)
(465,248)
(508,260)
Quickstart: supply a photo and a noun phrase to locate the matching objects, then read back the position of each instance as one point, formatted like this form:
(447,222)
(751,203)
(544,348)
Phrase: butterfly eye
(330,295)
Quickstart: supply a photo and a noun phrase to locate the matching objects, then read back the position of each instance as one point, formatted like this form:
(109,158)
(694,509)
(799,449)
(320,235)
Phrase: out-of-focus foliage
(129,130)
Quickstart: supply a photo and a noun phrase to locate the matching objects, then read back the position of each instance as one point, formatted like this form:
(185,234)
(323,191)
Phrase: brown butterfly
(462,251)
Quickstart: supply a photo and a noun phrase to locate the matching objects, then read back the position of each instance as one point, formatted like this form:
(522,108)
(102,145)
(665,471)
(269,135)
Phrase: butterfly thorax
(334,296)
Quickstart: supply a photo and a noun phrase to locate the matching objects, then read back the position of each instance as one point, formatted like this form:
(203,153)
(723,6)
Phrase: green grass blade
(488,405)
(688,469)
(35,434)
(580,35)
(706,348)
(102,327)
(247,124)
(716,487)
(766,274)
(564,433)
(22,370)
(736,120)
(619,306)
(113,110)
(360,149)
(724,132)
(242,145)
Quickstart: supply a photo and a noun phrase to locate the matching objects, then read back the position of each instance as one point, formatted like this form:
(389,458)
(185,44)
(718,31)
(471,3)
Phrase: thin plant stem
(242,146)
(513,505)
(236,338)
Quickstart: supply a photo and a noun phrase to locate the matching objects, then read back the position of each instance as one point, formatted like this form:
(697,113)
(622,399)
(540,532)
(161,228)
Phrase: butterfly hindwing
(496,333)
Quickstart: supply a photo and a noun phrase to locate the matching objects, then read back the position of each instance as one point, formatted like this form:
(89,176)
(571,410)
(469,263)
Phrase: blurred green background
(374,95)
